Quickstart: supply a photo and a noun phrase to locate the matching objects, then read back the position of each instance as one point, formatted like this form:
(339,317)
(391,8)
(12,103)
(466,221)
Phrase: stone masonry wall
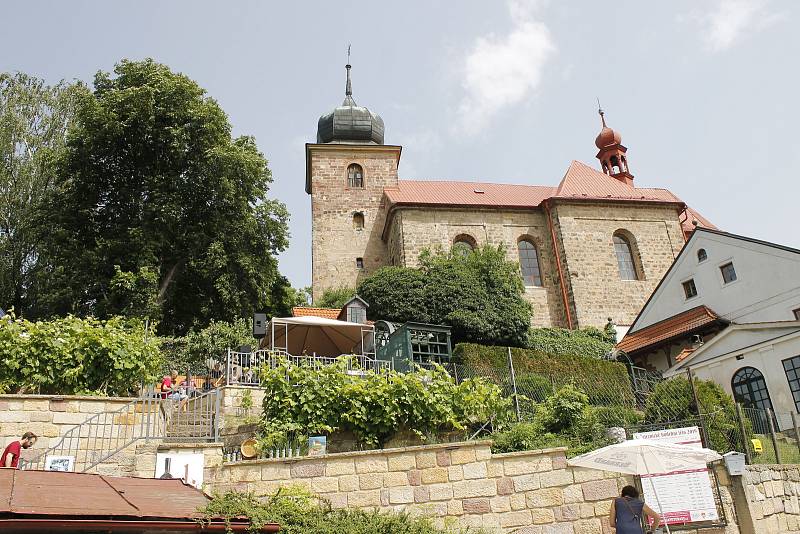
(586,233)
(335,242)
(530,492)
(773,493)
(427,229)
(48,416)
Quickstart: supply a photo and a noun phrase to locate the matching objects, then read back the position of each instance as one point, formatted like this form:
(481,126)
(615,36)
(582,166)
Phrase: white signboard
(60,463)
(188,467)
(684,496)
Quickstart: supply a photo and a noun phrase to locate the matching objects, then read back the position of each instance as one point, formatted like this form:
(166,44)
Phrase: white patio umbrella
(645,457)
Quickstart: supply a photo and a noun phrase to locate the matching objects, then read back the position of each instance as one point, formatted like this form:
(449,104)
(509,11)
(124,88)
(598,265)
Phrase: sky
(704,92)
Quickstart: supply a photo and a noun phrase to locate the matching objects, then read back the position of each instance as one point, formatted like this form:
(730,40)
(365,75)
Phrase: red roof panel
(307,311)
(675,326)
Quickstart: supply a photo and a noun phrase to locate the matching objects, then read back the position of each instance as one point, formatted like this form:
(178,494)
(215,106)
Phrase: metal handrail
(243,368)
(149,417)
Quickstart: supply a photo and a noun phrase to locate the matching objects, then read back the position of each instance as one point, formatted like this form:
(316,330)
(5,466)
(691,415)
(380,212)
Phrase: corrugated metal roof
(675,326)
(582,181)
(52,493)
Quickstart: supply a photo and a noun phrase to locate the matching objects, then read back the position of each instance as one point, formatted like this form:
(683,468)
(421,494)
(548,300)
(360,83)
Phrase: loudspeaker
(259,324)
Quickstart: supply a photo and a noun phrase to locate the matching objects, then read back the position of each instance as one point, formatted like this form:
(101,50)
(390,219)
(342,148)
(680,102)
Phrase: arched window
(355,175)
(529,263)
(358,221)
(627,269)
(463,244)
(750,389)
(702,255)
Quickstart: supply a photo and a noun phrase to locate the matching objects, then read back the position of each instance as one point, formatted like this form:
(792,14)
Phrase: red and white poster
(683,496)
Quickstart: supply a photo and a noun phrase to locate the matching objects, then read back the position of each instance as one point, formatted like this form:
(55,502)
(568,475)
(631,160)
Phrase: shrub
(375,406)
(525,437)
(672,401)
(605,382)
(561,410)
(297,512)
(480,295)
(70,356)
(589,342)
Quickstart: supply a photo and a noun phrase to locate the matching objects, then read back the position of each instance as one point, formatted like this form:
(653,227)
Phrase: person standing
(626,512)
(12,452)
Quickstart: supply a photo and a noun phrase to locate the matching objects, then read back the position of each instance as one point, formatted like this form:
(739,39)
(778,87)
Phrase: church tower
(347,170)
(612,153)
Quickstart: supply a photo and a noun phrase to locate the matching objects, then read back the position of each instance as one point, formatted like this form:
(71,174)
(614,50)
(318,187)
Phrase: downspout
(558,265)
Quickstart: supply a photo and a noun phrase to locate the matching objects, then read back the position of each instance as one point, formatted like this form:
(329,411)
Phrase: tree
(152,180)
(335,297)
(480,295)
(33,122)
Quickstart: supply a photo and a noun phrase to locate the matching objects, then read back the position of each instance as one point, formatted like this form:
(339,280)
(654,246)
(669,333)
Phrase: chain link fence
(644,401)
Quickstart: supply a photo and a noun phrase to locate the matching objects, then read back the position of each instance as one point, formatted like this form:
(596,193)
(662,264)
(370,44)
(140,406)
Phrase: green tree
(335,297)
(152,179)
(480,295)
(33,122)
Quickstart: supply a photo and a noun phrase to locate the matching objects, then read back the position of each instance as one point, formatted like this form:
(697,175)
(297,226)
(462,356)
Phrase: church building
(590,248)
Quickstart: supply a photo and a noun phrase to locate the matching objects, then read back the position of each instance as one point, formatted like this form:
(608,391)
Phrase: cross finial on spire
(349,88)
(602,114)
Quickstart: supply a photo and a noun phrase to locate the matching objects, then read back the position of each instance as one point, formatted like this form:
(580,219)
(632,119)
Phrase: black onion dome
(350,123)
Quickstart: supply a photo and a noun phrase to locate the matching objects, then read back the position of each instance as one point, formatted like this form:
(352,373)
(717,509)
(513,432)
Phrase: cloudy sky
(706,93)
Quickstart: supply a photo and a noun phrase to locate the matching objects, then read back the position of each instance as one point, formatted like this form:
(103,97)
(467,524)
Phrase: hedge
(588,341)
(606,383)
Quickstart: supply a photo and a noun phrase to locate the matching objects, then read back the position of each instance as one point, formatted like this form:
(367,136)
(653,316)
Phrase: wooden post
(743,432)
(796,434)
(774,438)
(514,384)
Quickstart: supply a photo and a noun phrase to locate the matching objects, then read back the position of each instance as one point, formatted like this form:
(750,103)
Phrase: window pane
(750,388)
(701,255)
(355,176)
(689,289)
(529,264)
(728,273)
(627,270)
(462,247)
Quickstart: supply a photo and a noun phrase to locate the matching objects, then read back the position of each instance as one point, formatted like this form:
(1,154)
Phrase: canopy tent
(318,336)
(646,457)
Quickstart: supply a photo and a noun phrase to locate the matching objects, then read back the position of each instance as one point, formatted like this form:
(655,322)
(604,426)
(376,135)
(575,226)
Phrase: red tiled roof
(682,355)
(306,311)
(692,215)
(675,326)
(468,194)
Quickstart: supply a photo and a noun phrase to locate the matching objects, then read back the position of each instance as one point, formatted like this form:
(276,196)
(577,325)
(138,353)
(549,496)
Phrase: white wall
(767,286)
(741,348)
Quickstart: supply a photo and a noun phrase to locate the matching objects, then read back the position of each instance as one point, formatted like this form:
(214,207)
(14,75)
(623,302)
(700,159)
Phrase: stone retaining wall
(773,495)
(530,492)
(49,416)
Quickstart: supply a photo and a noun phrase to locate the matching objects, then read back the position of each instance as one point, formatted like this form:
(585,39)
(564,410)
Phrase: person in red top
(11,453)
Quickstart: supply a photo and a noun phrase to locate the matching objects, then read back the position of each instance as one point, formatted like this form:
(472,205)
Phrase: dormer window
(355,176)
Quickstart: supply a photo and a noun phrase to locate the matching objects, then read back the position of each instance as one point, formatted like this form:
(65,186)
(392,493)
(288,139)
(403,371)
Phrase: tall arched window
(529,263)
(463,244)
(750,389)
(355,175)
(627,269)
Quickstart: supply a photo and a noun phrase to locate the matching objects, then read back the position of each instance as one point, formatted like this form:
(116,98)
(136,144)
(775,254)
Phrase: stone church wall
(426,229)
(586,233)
(336,243)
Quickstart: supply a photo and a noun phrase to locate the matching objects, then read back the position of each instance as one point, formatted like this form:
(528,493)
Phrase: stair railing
(149,417)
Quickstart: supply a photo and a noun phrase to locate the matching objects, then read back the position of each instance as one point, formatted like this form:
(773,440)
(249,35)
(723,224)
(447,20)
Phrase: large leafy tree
(34,118)
(479,294)
(152,181)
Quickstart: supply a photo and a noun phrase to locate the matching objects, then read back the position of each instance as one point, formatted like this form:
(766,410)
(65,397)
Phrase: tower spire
(602,113)
(349,89)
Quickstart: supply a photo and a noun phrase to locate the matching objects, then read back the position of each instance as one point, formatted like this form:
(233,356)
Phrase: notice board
(684,496)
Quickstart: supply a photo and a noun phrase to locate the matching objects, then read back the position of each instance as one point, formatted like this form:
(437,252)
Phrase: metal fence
(244,368)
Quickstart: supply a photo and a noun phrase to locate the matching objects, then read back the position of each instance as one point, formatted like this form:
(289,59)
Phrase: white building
(729,308)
